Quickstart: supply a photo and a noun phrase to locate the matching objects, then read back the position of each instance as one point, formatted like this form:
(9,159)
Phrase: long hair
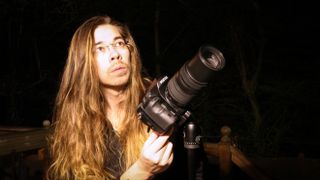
(81,132)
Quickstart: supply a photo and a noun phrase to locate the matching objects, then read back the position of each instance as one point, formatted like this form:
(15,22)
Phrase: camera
(166,101)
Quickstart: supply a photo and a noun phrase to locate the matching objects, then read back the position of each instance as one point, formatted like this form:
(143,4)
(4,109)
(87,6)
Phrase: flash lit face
(112,56)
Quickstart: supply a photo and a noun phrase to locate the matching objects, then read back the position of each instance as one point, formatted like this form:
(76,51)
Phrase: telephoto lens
(195,75)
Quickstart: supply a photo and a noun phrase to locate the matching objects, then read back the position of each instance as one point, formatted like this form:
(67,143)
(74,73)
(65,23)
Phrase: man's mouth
(118,69)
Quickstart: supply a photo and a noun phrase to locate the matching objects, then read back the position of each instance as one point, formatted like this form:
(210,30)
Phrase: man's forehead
(106,33)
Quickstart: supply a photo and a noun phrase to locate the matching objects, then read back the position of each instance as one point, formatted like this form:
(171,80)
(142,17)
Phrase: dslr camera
(165,103)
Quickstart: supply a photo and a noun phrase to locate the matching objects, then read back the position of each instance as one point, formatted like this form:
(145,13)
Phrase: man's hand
(156,157)
(156,154)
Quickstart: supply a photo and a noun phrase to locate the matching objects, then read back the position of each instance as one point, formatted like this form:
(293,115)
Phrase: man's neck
(113,97)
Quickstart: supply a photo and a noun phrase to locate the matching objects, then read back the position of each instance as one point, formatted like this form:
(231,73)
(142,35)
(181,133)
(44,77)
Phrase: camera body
(165,103)
(159,112)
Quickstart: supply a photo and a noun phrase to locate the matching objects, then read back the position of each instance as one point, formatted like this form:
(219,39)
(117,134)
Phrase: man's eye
(120,44)
(101,48)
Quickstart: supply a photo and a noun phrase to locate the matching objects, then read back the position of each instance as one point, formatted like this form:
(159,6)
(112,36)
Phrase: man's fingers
(150,140)
(158,144)
(167,154)
(170,159)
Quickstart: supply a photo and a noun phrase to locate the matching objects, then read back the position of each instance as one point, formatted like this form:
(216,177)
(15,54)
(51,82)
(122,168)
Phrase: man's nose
(114,54)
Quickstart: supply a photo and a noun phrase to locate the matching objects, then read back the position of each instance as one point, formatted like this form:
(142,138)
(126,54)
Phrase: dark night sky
(35,36)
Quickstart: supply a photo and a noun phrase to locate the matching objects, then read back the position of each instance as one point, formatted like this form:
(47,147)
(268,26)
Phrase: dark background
(270,48)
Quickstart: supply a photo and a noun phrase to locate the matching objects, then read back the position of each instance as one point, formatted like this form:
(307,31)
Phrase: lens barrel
(194,75)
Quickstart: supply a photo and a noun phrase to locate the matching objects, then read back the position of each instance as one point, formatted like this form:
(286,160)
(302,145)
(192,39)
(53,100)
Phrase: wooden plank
(18,141)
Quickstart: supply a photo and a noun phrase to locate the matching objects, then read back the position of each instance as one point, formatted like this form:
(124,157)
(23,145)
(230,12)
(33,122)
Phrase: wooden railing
(14,140)
(228,155)
(22,151)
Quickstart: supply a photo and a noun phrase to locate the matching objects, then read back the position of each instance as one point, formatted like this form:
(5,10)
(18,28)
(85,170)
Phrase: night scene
(159,89)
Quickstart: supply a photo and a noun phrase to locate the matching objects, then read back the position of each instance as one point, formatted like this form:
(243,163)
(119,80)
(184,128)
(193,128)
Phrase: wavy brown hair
(81,133)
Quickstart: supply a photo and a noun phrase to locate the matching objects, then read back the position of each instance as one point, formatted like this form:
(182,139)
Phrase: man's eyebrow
(114,39)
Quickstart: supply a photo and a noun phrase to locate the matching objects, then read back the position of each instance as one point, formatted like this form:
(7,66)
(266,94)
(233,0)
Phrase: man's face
(112,56)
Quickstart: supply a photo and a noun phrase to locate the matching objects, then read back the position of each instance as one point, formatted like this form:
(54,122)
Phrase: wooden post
(225,162)
(229,155)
